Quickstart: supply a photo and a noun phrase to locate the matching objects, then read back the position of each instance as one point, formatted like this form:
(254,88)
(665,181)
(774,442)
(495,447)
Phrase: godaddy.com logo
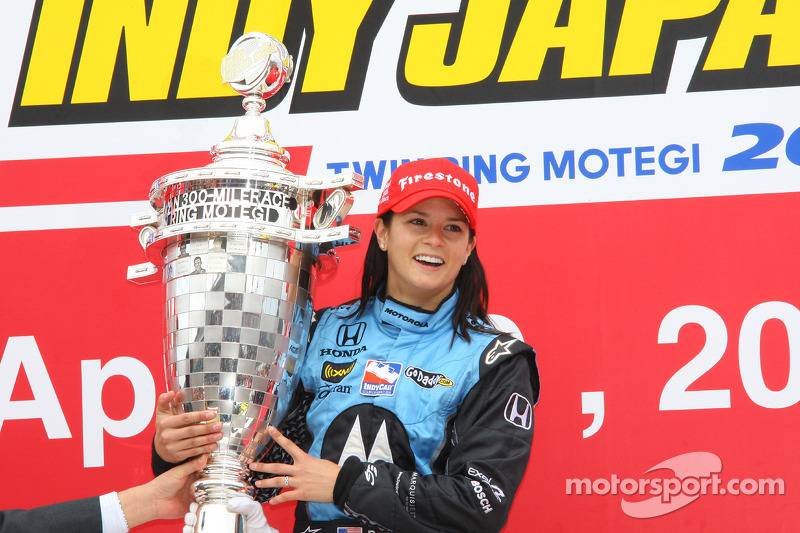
(695,474)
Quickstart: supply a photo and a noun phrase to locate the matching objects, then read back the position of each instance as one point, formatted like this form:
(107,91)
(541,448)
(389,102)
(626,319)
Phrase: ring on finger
(285,481)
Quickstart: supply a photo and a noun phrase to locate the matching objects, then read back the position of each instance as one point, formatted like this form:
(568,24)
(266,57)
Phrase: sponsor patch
(370,473)
(499,349)
(341,353)
(325,390)
(405,318)
(380,378)
(351,334)
(496,490)
(480,494)
(518,411)
(336,372)
(427,380)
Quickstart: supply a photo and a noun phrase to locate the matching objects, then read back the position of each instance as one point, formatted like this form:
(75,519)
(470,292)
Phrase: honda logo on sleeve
(519,411)
(351,334)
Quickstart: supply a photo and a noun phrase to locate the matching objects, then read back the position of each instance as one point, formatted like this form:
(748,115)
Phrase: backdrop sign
(638,165)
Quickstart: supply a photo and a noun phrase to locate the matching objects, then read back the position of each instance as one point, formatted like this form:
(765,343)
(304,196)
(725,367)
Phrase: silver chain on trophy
(239,242)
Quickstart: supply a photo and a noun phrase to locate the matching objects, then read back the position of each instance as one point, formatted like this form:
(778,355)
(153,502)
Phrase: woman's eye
(417,221)
(454,227)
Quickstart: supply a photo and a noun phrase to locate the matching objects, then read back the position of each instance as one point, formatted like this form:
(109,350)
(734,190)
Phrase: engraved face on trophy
(239,243)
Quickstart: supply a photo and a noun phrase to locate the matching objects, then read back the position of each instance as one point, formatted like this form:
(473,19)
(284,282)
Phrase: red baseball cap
(419,180)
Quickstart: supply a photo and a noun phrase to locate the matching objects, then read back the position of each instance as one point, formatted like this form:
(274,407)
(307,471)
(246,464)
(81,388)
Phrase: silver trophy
(239,243)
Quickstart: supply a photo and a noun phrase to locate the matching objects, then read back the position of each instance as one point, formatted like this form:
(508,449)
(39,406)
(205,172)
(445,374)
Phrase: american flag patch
(348,529)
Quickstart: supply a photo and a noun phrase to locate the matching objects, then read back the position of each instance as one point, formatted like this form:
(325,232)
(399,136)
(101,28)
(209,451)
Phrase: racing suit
(433,432)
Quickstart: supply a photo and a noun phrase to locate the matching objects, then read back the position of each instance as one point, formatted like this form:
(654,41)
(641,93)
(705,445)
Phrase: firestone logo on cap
(419,180)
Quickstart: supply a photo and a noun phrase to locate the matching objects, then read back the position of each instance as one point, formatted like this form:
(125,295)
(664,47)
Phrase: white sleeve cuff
(113,517)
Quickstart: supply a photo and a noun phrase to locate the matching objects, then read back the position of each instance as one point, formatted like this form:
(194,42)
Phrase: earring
(382,246)
(465,260)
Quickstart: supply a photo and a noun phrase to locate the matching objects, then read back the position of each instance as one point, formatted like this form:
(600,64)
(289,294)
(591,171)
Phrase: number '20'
(768,136)
(675,395)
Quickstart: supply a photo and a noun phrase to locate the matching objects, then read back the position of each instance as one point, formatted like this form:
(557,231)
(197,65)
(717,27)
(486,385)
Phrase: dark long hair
(473,292)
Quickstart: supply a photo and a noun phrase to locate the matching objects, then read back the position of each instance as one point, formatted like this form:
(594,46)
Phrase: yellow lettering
(270,17)
(582,40)
(335,27)
(640,30)
(743,21)
(151,48)
(51,57)
(208,44)
(210,40)
(484,23)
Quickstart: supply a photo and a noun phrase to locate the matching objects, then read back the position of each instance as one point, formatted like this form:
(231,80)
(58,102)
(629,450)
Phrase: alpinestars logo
(499,349)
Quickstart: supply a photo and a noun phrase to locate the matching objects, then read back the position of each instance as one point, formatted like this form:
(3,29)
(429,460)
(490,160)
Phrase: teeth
(429,259)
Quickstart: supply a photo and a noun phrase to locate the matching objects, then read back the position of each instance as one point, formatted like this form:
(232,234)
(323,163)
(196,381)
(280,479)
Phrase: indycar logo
(427,380)
(351,334)
(380,378)
(336,372)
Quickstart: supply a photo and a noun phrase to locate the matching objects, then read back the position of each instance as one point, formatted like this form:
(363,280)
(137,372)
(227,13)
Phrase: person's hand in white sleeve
(255,521)
(254,518)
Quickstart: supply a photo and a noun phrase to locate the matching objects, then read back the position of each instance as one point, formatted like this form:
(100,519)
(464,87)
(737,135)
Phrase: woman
(419,413)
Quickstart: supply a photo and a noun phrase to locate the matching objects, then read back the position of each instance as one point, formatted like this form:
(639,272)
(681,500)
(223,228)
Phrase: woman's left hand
(312,479)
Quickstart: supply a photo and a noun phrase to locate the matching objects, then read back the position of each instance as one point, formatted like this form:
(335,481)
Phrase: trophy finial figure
(257,66)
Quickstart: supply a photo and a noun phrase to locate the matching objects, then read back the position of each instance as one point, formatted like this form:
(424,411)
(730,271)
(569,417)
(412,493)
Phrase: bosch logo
(477,487)
(405,318)
(427,380)
(496,490)
(351,334)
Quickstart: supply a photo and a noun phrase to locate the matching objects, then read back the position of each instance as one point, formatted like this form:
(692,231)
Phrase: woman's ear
(381,232)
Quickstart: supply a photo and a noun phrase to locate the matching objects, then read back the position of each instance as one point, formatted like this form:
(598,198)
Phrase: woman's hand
(181,436)
(312,479)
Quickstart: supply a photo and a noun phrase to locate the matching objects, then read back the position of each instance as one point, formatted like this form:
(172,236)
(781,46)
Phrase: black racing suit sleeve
(477,474)
(157,464)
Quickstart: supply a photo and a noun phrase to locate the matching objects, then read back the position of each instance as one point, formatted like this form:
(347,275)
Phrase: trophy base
(214,517)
